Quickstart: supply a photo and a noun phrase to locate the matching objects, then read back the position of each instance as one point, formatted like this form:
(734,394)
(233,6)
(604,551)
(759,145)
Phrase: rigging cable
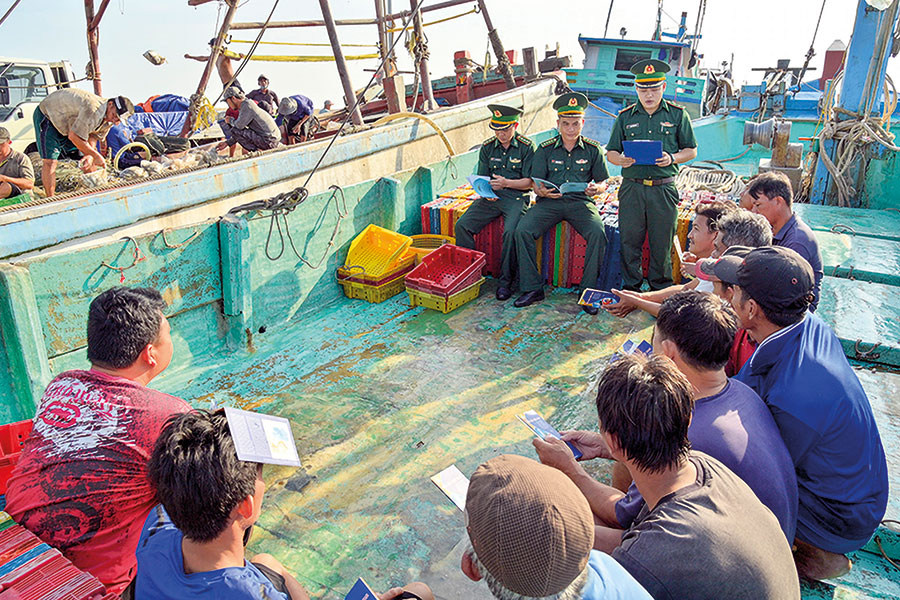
(8,12)
(811,52)
(249,52)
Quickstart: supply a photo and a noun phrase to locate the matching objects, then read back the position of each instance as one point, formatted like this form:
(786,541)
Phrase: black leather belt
(652,182)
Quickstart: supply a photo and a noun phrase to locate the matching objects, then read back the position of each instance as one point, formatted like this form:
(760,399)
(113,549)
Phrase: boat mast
(657,33)
(425,77)
(608,15)
(93,40)
(502,60)
(349,95)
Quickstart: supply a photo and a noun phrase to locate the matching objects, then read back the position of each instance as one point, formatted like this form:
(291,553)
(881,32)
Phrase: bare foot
(817,564)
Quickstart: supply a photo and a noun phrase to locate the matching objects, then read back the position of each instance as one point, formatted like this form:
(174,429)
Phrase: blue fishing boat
(383,395)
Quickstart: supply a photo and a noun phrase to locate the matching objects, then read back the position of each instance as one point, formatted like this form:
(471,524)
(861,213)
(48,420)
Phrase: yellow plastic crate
(372,293)
(376,251)
(425,244)
(445,305)
(406,262)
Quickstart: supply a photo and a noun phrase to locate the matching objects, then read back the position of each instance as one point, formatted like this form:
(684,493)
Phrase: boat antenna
(811,52)
(608,15)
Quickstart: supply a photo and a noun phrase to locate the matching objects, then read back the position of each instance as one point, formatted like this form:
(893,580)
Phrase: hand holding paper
(482,186)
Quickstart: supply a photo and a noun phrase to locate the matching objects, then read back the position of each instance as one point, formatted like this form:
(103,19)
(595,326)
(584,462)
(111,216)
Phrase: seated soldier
(702,532)
(16,170)
(506,159)
(254,129)
(295,118)
(801,372)
(193,544)
(772,196)
(530,533)
(702,239)
(81,482)
(729,422)
(569,157)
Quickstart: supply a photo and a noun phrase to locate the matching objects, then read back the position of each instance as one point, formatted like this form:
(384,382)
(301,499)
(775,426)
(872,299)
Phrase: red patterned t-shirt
(81,482)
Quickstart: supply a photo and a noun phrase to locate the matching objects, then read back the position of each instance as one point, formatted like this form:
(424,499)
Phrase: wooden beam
(349,95)
(290,24)
(96,22)
(93,41)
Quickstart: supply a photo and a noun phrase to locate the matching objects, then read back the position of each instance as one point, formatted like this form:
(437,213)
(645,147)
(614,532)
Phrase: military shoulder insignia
(488,141)
(521,138)
(630,106)
(593,143)
(549,142)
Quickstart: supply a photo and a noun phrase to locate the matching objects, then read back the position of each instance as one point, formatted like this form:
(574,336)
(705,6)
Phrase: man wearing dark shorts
(16,170)
(294,118)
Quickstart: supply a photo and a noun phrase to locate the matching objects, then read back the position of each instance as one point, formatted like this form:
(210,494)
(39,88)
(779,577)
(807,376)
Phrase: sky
(757,33)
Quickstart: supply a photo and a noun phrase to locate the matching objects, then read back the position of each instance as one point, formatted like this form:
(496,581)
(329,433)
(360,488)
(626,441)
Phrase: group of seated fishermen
(260,121)
(746,451)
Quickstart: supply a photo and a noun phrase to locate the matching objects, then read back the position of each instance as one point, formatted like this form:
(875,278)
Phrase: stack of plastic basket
(376,263)
(446,279)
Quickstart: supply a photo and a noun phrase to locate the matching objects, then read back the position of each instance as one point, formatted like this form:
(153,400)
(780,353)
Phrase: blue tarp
(162,123)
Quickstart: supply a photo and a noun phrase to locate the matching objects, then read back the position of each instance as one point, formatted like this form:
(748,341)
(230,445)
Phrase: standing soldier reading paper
(506,159)
(648,198)
(572,161)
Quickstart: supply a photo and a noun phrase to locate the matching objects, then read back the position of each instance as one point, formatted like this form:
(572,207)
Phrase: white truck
(24,83)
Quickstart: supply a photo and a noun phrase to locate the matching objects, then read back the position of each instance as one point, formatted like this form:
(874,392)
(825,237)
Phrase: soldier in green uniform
(568,157)
(506,159)
(648,198)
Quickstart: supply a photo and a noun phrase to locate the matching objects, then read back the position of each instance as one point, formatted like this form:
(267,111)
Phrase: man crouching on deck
(81,483)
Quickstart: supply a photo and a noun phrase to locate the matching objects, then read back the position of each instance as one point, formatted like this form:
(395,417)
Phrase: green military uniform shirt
(585,163)
(514,162)
(669,123)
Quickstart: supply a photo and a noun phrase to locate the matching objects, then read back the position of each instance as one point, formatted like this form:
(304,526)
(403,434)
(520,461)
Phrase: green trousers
(647,211)
(581,215)
(479,215)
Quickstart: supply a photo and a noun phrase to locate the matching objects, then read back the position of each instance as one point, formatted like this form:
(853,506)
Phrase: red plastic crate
(445,269)
(39,562)
(12,438)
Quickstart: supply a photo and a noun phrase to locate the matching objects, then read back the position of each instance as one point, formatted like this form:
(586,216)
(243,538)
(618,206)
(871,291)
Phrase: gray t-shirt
(17,165)
(256,119)
(710,540)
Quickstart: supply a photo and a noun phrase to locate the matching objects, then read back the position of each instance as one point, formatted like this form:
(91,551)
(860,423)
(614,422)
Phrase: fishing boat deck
(382,396)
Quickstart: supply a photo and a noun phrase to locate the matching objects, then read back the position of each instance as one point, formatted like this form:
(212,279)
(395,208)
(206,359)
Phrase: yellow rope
(435,126)
(206,115)
(305,44)
(279,58)
(473,11)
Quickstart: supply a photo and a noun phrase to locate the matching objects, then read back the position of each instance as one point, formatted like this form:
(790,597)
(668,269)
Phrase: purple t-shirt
(797,236)
(736,427)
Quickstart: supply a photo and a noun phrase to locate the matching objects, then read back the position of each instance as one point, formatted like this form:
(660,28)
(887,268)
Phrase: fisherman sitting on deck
(801,372)
(16,170)
(506,159)
(772,194)
(70,121)
(254,129)
(295,118)
(702,532)
(729,422)
(81,482)
(193,544)
(531,532)
(569,157)
(702,239)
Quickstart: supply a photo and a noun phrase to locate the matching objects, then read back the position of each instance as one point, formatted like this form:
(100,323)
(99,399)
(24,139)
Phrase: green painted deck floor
(382,396)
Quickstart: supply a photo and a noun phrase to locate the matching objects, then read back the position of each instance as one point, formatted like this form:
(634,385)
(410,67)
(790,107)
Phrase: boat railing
(597,82)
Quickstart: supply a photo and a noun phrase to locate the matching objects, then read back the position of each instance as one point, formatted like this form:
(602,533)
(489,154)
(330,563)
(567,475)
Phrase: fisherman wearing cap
(532,531)
(264,95)
(568,157)
(506,159)
(294,114)
(16,170)
(801,372)
(253,128)
(648,198)
(70,121)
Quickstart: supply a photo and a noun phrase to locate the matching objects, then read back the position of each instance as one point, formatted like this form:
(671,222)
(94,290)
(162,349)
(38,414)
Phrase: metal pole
(423,64)
(382,38)
(608,15)
(349,96)
(502,59)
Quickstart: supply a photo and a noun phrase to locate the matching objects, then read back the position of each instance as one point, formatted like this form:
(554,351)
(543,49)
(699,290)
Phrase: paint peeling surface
(382,396)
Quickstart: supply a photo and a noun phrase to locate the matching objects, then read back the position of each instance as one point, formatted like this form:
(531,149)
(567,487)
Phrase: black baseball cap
(775,277)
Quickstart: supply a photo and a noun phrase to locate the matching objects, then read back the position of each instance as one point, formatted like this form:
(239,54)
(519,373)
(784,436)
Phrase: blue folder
(644,152)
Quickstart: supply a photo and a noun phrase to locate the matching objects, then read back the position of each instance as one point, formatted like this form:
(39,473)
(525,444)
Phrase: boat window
(20,84)
(626,57)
